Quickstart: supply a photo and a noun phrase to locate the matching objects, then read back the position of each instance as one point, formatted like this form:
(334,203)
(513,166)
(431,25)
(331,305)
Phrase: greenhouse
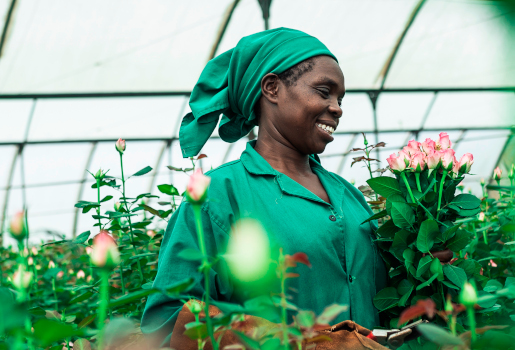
(75,77)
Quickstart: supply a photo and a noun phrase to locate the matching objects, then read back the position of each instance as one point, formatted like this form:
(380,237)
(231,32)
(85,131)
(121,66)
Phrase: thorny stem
(403,176)
(98,208)
(442,181)
(130,222)
(205,269)
(368,162)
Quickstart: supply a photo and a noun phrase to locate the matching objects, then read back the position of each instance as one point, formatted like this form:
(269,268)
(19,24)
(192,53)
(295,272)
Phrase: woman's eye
(324,92)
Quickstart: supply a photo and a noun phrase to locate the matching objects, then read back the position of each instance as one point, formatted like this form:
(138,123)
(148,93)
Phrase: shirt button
(332,217)
(351,278)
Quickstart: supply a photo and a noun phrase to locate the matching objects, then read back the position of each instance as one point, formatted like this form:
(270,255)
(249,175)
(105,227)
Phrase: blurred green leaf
(83,237)
(86,321)
(384,186)
(168,189)
(455,274)
(459,241)
(81,344)
(423,265)
(48,331)
(143,171)
(492,286)
(386,298)
(330,313)
(426,235)
(438,335)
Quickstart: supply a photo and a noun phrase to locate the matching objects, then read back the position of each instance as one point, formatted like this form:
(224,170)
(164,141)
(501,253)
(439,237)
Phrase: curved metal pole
(344,158)
(222,29)
(81,188)
(7,192)
(7,24)
(159,157)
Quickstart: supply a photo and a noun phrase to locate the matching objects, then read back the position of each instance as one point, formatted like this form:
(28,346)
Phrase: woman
(291,86)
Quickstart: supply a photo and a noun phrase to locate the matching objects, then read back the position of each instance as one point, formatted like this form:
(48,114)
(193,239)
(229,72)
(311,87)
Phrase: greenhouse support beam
(383,75)
(505,147)
(222,29)
(344,158)
(166,144)
(7,193)
(81,187)
(188,93)
(7,24)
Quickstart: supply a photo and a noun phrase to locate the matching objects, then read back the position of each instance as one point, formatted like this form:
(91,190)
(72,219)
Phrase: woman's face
(308,111)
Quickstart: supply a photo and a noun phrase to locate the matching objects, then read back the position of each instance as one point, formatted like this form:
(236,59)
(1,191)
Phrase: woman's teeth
(328,129)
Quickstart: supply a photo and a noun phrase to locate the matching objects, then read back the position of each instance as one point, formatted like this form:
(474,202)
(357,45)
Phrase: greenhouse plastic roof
(75,76)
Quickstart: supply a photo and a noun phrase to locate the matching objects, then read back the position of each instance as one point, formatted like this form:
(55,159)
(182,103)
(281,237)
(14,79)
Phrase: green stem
(199,341)
(403,176)
(442,181)
(104,302)
(417,177)
(130,222)
(205,268)
(98,199)
(436,181)
(55,295)
(472,321)
(122,281)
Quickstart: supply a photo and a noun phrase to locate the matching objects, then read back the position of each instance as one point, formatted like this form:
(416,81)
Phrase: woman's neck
(281,155)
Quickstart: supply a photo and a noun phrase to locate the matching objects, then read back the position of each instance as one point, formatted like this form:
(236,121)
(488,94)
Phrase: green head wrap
(230,84)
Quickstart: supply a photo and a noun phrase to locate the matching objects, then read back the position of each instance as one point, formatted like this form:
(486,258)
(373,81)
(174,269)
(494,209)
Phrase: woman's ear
(270,87)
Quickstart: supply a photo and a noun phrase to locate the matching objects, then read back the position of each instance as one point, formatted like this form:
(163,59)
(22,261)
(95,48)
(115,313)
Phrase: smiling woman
(291,85)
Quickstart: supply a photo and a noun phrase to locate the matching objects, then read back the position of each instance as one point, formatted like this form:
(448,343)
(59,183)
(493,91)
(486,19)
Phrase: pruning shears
(396,337)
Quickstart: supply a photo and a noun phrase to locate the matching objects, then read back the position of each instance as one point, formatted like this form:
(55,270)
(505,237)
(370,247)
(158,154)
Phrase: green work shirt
(346,266)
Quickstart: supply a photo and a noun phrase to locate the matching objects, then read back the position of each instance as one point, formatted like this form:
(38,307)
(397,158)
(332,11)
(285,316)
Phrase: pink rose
(196,190)
(428,145)
(412,147)
(105,252)
(120,146)
(465,163)
(17,228)
(51,264)
(81,274)
(448,158)
(497,174)
(433,159)
(443,142)
(418,162)
(398,163)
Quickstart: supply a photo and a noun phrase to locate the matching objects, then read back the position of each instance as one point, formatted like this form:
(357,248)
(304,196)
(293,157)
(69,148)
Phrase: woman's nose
(335,109)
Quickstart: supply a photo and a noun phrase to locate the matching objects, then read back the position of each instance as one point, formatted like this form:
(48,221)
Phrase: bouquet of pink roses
(420,240)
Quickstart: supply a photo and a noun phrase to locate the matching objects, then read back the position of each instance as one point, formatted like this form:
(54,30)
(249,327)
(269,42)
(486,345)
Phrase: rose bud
(21,278)
(105,252)
(492,263)
(511,176)
(120,146)
(51,264)
(151,233)
(397,163)
(17,228)
(418,162)
(117,206)
(497,174)
(482,182)
(468,295)
(447,159)
(81,274)
(34,250)
(60,274)
(443,142)
(412,147)
(433,159)
(196,191)
(30,261)
(465,163)
(428,146)
(89,250)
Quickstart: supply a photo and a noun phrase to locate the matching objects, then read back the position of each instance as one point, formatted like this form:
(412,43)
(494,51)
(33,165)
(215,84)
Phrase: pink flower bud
(418,162)
(51,264)
(81,274)
(120,146)
(22,278)
(465,163)
(397,163)
(34,250)
(105,252)
(443,142)
(30,261)
(89,250)
(151,233)
(497,174)
(117,206)
(89,278)
(196,190)
(412,147)
(448,158)
(428,146)
(492,263)
(17,228)
(60,274)
(481,216)
(433,159)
